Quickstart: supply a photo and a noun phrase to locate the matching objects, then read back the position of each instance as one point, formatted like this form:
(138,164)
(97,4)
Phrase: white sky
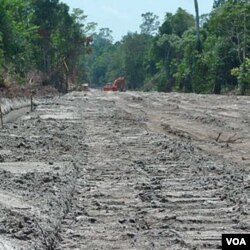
(122,16)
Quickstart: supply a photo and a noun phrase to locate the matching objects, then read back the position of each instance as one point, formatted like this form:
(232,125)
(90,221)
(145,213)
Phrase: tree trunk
(197,21)
(245,36)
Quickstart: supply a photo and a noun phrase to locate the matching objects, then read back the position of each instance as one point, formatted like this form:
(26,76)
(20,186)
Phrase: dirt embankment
(7,105)
(125,171)
(15,101)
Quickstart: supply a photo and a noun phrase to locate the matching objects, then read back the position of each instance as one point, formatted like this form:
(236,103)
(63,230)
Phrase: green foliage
(219,3)
(243,76)
(166,49)
(17,35)
(1,49)
(178,23)
(102,62)
(180,54)
(150,24)
(182,65)
(133,50)
(42,35)
(232,21)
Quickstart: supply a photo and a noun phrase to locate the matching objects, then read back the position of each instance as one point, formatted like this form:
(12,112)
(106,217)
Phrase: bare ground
(126,171)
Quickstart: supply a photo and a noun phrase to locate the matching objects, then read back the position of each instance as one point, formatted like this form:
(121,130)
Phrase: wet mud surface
(102,170)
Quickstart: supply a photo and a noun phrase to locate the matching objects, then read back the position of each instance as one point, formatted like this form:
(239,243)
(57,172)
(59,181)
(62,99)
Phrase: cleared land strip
(144,190)
(103,179)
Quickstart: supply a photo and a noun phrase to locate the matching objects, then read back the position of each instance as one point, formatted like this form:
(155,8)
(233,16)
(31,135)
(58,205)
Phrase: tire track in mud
(144,190)
(108,182)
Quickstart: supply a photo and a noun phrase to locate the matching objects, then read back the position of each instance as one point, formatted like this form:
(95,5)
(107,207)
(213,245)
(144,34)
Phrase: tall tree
(166,48)
(197,19)
(230,23)
(133,50)
(150,23)
(218,3)
(42,35)
(101,58)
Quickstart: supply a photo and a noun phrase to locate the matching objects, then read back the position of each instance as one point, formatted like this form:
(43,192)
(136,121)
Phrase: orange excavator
(119,84)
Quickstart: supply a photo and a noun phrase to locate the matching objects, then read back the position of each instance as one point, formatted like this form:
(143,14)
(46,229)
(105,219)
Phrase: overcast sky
(122,16)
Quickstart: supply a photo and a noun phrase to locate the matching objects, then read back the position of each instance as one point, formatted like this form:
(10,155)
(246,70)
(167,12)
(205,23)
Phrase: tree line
(208,54)
(42,36)
(202,54)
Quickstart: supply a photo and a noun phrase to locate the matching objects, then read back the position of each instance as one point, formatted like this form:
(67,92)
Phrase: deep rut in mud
(111,171)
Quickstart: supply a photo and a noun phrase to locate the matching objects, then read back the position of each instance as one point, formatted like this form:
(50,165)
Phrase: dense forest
(42,38)
(185,53)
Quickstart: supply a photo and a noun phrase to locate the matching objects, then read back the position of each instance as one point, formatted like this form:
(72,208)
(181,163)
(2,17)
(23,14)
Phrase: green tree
(166,49)
(230,23)
(150,24)
(43,35)
(182,21)
(100,61)
(17,36)
(218,3)
(243,76)
(197,21)
(134,47)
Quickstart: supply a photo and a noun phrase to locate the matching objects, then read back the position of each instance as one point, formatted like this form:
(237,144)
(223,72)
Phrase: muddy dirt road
(144,171)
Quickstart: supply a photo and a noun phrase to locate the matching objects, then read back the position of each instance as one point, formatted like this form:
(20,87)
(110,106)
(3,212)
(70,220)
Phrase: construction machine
(119,84)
